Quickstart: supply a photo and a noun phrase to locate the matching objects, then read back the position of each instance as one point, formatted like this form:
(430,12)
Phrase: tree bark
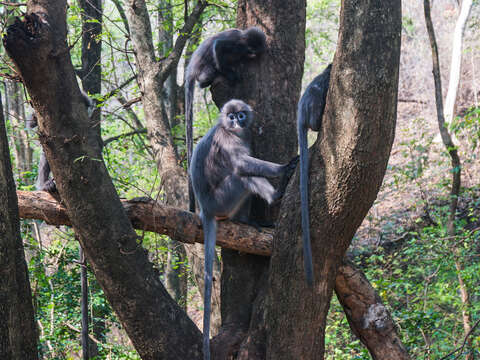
(348,162)
(18,333)
(369,319)
(157,326)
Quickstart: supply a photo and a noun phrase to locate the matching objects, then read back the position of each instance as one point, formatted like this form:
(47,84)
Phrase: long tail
(210,236)
(303,143)
(189,92)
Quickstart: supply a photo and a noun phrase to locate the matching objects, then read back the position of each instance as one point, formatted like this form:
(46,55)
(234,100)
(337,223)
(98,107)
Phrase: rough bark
(369,319)
(157,326)
(348,162)
(18,333)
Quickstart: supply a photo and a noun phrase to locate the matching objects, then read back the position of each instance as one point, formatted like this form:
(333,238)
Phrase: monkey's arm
(250,166)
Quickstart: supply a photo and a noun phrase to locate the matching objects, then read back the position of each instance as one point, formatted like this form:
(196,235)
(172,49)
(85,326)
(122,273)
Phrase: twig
(463,345)
(113,138)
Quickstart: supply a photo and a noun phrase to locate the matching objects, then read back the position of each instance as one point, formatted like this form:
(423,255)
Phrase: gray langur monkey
(224,175)
(44,182)
(309,116)
(217,56)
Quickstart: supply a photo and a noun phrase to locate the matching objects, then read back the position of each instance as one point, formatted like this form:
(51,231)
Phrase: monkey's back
(203,56)
(312,103)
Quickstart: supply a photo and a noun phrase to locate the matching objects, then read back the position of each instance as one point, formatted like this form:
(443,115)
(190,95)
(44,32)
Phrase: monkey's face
(238,120)
(236,115)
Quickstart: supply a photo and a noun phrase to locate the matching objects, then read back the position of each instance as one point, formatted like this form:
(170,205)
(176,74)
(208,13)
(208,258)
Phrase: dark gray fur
(44,182)
(217,56)
(224,175)
(309,116)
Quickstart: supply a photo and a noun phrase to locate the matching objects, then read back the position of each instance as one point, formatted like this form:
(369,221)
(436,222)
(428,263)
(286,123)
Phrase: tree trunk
(348,162)
(16,114)
(157,326)
(442,114)
(456,62)
(18,333)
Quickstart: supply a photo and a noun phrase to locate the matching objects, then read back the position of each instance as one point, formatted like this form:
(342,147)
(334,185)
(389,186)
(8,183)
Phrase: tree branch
(147,215)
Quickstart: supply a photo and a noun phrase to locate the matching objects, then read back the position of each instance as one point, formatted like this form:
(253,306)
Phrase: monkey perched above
(224,174)
(309,116)
(218,56)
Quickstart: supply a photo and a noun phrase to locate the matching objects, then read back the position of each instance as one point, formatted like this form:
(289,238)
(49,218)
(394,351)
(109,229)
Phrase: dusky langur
(224,175)
(44,182)
(309,116)
(217,56)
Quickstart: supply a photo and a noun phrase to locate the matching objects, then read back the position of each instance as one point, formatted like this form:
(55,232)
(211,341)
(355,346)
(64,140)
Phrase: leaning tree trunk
(347,165)
(157,326)
(18,334)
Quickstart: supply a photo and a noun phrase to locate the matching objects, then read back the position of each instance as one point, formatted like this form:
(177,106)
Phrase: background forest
(428,279)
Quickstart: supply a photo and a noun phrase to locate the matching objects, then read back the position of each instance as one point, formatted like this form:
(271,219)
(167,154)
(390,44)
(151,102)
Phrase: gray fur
(217,56)
(309,116)
(224,175)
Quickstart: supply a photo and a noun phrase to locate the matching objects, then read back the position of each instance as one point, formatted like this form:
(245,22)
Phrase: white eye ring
(231,116)
(241,115)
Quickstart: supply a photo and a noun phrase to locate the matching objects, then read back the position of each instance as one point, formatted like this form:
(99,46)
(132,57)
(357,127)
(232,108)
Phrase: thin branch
(120,87)
(131,133)
(463,344)
(12,4)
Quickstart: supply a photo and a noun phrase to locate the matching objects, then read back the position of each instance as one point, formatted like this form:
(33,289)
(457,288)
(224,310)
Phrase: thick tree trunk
(348,163)
(157,326)
(18,333)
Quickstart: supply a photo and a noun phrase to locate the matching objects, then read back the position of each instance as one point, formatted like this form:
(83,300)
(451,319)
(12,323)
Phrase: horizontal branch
(146,214)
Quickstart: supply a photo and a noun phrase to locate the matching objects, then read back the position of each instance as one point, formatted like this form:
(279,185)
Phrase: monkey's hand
(287,174)
(49,186)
